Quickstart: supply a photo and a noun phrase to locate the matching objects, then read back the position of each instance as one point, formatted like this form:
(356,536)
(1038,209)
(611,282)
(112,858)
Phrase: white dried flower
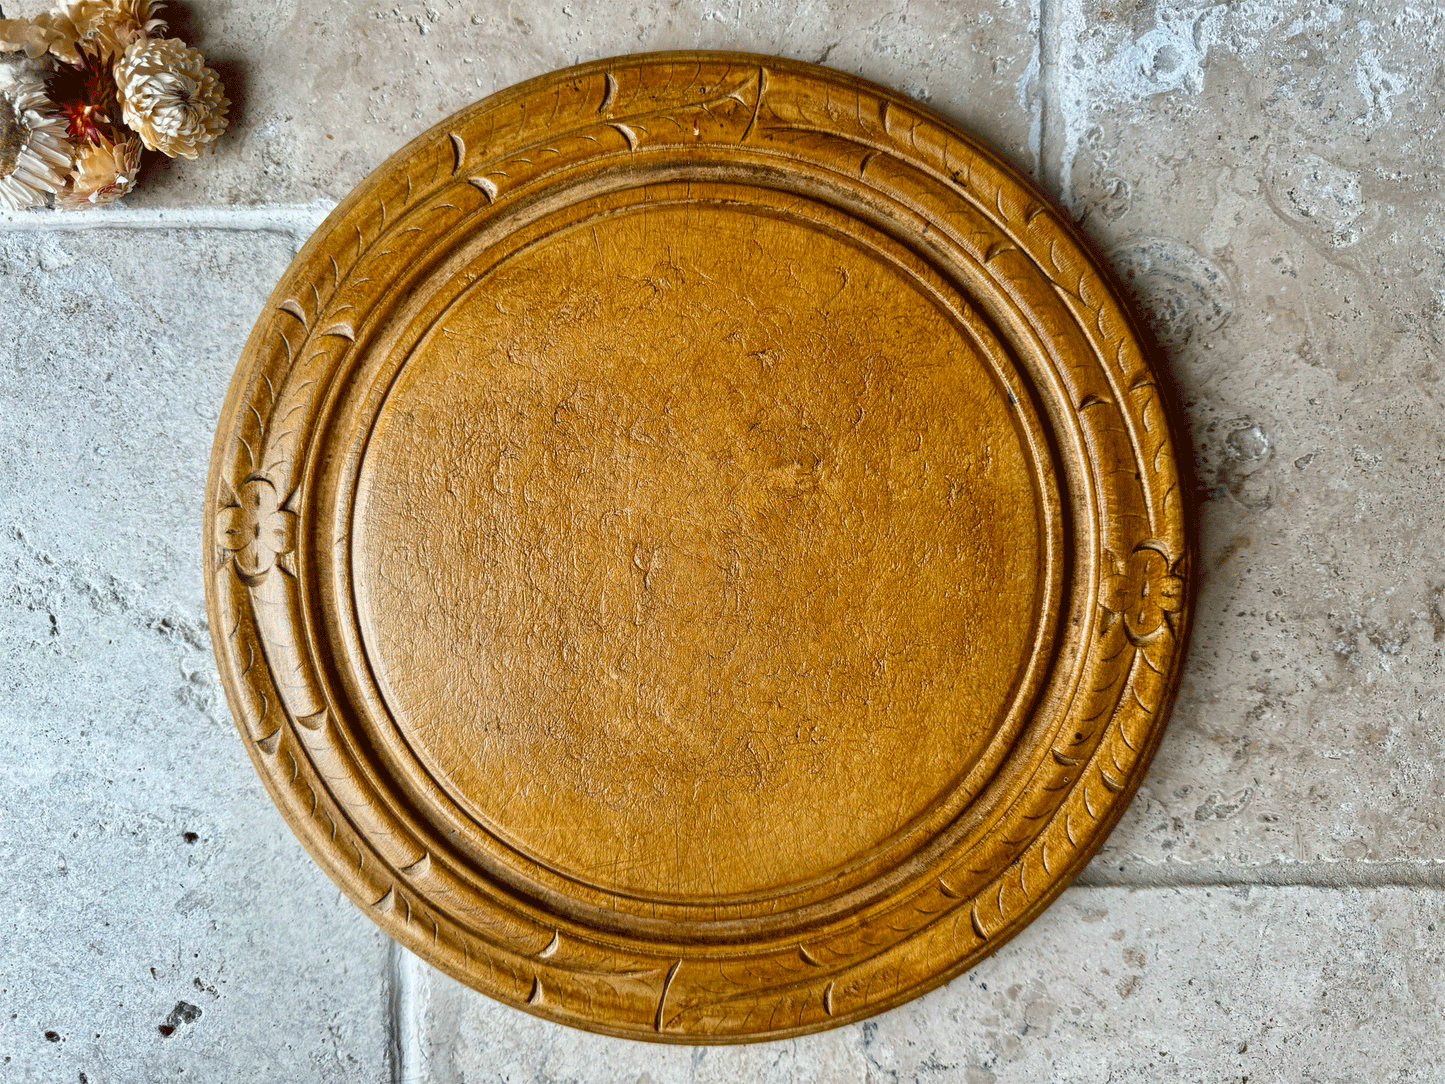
(104,27)
(170,97)
(34,153)
(143,14)
(109,26)
(103,172)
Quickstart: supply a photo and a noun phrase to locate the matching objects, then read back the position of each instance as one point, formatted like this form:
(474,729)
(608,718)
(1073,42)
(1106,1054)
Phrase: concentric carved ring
(694,548)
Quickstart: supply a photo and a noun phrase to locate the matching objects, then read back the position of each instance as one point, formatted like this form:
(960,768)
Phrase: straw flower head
(34,153)
(104,171)
(170,97)
(84,94)
(100,26)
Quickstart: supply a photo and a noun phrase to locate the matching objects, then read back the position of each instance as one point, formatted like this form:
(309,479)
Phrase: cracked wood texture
(695,548)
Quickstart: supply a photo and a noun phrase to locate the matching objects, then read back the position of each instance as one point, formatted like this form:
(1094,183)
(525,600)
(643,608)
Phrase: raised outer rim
(293,806)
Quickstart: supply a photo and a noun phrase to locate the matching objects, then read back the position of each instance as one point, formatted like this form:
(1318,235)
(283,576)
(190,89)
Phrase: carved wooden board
(694,548)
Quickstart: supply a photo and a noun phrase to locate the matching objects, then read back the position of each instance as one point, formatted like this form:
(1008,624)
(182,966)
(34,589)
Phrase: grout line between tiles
(408,991)
(405,994)
(1338,875)
(1051,114)
(395,1011)
(281,218)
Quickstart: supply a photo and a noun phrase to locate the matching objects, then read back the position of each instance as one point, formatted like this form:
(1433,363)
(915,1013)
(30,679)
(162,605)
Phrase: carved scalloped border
(445,183)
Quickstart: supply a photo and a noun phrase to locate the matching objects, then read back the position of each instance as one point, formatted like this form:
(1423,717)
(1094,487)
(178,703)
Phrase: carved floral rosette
(277,568)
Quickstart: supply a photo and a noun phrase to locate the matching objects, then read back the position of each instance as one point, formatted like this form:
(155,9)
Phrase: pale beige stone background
(1265,176)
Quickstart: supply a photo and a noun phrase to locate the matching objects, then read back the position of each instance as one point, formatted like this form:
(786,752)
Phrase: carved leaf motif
(720,115)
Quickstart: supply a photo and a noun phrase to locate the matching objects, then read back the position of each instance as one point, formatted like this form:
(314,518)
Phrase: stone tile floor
(1264,177)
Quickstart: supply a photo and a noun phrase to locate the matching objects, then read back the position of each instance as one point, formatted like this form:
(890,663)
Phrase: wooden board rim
(236,585)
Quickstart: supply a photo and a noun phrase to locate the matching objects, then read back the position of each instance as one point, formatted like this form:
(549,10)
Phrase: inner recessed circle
(696,551)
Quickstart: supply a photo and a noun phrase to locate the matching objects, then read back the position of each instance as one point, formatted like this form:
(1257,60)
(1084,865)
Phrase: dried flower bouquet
(87,87)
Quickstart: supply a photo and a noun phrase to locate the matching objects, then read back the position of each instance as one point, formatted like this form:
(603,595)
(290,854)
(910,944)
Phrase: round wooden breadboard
(694,548)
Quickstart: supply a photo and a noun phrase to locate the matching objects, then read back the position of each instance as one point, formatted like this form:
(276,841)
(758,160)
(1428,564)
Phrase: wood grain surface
(694,548)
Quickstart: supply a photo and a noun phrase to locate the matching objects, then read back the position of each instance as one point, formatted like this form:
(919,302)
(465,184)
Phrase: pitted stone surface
(160,921)
(1262,181)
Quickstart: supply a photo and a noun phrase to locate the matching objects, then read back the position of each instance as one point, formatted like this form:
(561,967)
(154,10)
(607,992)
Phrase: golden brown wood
(694,548)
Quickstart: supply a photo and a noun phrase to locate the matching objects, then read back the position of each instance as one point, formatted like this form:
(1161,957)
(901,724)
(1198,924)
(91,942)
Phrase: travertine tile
(1111,985)
(325,92)
(1265,177)
(149,882)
